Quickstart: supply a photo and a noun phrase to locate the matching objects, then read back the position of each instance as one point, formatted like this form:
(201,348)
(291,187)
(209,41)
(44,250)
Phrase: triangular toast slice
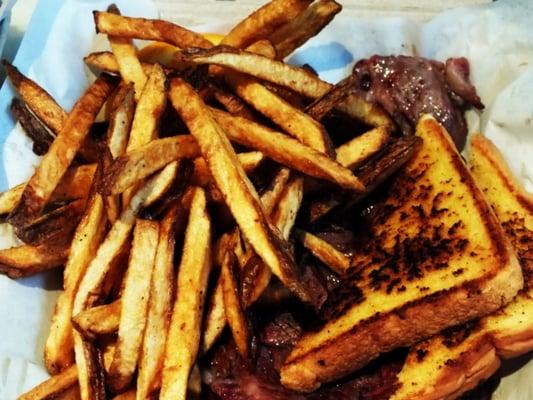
(435,256)
(448,365)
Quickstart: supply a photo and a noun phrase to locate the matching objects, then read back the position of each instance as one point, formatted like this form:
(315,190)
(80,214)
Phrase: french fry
(34,129)
(325,252)
(240,195)
(285,150)
(37,99)
(58,352)
(358,150)
(130,168)
(89,363)
(264,21)
(147,29)
(319,108)
(98,320)
(120,121)
(303,27)
(106,61)
(159,308)
(233,104)
(184,331)
(271,196)
(202,176)
(55,163)
(129,395)
(54,387)
(263,47)
(126,56)
(26,260)
(134,304)
(232,304)
(215,321)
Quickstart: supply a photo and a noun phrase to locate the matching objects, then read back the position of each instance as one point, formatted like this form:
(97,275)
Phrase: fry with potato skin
(107,62)
(160,306)
(264,21)
(184,331)
(135,298)
(285,150)
(26,260)
(120,121)
(355,152)
(89,363)
(147,29)
(239,193)
(34,129)
(54,387)
(215,321)
(325,252)
(54,164)
(98,320)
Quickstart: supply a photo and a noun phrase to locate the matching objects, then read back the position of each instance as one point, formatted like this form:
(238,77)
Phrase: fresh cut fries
(55,387)
(98,320)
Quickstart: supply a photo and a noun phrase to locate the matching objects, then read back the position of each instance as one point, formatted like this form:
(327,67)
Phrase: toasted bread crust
(308,366)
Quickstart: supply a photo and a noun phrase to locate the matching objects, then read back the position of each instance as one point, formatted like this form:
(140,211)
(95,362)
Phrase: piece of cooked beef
(407,87)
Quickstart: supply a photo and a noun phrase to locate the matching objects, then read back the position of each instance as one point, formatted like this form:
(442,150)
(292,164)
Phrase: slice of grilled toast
(452,363)
(435,256)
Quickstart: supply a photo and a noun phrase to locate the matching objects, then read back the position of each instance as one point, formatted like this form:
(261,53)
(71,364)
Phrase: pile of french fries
(144,194)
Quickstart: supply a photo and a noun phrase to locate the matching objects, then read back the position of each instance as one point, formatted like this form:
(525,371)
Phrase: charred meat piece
(407,87)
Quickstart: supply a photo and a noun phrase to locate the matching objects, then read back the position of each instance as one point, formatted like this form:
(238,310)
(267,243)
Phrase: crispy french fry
(184,331)
(285,150)
(129,395)
(89,363)
(58,352)
(264,21)
(353,153)
(147,29)
(55,163)
(26,260)
(216,318)
(107,62)
(37,99)
(233,104)
(304,26)
(54,387)
(270,197)
(134,304)
(232,304)
(202,176)
(319,108)
(240,195)
(36,131)
(263,47)
(159,308)
(120,121)
(325,252)
(98,320)
(142,162)
(126,56)
(293,121)
(168,177)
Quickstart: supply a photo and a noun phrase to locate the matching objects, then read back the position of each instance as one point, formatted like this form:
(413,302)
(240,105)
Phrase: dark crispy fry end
(36,131)
(54,387)
(95,365)
(337,94)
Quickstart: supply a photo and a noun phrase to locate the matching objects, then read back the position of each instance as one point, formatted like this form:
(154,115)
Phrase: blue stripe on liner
(324,57)
(30,49)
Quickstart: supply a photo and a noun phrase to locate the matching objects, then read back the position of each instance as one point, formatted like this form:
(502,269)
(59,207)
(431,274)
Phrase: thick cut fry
(304,26)
(134,304)
(34,129)
(159,308)
(293,121)
(285,150)
(37,99)
(54,387)
(232,304)
(26,260)
(325,252)
(215,321)
(98,320)
(142,162)
(54,164)
(264,21)
(239,193)
(148,29)
(58,352)
(184,331)
(107,62)
(353,153)
(89,363)
(126,56)
(202,176)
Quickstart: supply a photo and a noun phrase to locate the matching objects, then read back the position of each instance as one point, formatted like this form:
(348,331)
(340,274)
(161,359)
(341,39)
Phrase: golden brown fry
(293,121)
(129,395)
(147,29)
(285,150)
(58,352)
(135,298)
(263,47)
(202,176)
(37,99)
(184,331)
(120,121)
(126,56)
(239,193)
(89,363)
(54,387)
(325,252)
(270,198)
(319,108)
(142,162)
(159,308)
(216,318)
(264,21)
(32,126)
(233,104)
(168,176)
(353,153)
(26,260)
(370,113)
(232,304)
(304,26)
(106,61)
(55,163)
(98,320)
